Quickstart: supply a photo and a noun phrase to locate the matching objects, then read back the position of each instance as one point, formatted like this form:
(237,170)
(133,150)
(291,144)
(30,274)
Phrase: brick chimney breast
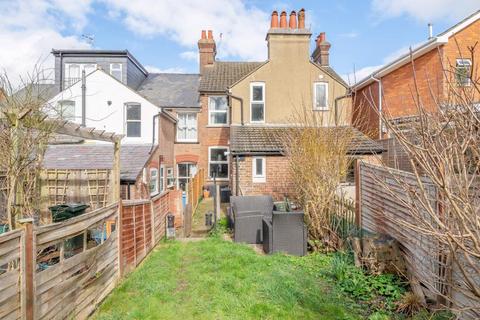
(274,21)
(292,23)
(207,50)
(283,19)
(321,54)
(301,19)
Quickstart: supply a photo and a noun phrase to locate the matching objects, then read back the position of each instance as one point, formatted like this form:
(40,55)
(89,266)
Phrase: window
(162,178)
(153,181)
(217,110)
(187,127)
(170,178)
(257,102)
(134,123)
(66,110)
(463,72)
(185,172)
(218,162)
(116,71)
(258,169)
(73,72)
(320,96)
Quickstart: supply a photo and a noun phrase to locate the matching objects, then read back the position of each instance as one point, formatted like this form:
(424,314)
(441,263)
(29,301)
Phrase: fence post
(27,265)
(152,221)
(120,239)
(358,194)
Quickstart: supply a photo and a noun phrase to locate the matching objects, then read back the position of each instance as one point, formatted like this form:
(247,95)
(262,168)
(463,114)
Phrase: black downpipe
(61,72)
(237,176)
(241,107)
(84,96)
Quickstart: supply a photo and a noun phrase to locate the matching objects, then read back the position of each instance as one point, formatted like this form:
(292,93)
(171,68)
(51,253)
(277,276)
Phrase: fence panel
(76,264)
(10,274)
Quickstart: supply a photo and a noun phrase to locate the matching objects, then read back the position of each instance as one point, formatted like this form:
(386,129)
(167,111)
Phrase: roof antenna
(430,31)
(90,38)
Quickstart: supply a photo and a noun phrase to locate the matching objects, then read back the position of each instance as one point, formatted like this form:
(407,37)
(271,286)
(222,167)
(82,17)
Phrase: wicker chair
(245,217)
(286,232)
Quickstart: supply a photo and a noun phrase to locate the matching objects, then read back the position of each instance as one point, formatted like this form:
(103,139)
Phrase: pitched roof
(267,140)
(329,70)
(171,89)
(98,156)
(222,74)
(42,91)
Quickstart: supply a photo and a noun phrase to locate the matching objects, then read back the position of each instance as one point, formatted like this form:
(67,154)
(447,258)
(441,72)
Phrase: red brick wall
(207,136)
(278,182)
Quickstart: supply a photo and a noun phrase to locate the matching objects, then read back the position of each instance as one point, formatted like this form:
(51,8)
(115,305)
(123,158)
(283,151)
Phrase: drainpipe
(84,96)
(241,106)
(379,81)
(61,72)
(336,105)
(153,131)
(237,176)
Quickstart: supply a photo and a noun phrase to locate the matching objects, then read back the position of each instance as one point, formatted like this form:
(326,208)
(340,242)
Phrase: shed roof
(172,90)
(267,140)
(98,156)
(222,74)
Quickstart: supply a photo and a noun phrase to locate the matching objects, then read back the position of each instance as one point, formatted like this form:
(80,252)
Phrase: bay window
(257,102)
(218,162)
(187,127)
(217,110)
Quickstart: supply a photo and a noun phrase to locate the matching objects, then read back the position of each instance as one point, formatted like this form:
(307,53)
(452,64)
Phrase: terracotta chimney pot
(210,34)
(293,20)
(204,34)
(321,37)
(283,19)
(301,19)
(274,21)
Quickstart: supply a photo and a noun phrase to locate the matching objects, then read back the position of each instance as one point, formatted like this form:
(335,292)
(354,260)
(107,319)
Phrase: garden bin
(63,212)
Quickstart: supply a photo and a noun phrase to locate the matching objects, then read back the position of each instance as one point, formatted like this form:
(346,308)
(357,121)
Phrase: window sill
(321,109)
(259,180)
(217,126)
(186,142)
(218,179)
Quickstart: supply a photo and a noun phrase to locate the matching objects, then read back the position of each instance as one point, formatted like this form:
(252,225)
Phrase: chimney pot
(210,34)
(321,37)
(301,19)
(283,19)
(274,21)
(204,34)
(293,20)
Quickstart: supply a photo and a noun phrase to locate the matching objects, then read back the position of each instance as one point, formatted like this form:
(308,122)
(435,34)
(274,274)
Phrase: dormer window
(257,102)
(320,96)
(73,72)
(116,71)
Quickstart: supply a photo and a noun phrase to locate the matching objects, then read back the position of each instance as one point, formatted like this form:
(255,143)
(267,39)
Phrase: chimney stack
(207,50)
(283,19)
(274,21)
(322,51)
(292,24)
(301,19)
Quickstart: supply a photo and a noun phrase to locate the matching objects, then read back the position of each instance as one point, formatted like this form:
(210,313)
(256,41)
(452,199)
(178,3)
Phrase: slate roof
(222,74)
(98,156)
(266,140)
(42,91)
(172,90)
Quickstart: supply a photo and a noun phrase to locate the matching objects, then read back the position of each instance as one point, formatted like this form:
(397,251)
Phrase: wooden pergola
(75,130)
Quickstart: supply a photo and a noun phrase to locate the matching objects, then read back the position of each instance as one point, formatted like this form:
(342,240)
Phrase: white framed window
(73,72)
(133,120)
(187,127)
(162,178)
(185,171)
(259,169)
(66,110)
(153,181)
(116,71)
(257,102)
(218,162)
(320,96)
(463,72)
(217,110)
(170,178)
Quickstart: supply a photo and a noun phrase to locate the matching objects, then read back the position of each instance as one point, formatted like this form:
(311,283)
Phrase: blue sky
(162,34)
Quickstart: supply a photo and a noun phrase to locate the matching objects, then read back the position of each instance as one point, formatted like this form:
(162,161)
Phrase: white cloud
(30,29)
(243,28)
(154,69)
(425,10)
(190,55)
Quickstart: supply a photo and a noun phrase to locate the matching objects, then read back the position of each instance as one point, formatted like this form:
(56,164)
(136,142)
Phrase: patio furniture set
(255,220)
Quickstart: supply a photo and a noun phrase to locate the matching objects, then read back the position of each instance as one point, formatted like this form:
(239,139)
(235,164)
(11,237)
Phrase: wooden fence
(64,270)
(195,189)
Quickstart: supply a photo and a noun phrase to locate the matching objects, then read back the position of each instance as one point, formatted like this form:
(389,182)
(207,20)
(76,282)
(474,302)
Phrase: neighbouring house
(441,59)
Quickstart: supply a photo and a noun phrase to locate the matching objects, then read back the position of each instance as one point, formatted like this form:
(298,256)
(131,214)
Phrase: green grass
(216,279)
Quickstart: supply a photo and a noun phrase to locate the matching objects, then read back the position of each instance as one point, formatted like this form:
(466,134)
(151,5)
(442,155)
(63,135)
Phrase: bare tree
(24,137)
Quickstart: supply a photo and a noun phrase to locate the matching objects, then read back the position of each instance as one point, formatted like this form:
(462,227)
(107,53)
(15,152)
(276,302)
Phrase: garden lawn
(217,279)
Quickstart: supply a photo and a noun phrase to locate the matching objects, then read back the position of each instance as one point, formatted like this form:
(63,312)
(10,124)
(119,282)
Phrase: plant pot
(206,193)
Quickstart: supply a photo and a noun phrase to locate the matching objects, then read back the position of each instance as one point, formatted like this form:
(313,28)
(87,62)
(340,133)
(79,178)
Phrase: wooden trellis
(57,184)
(98,186)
